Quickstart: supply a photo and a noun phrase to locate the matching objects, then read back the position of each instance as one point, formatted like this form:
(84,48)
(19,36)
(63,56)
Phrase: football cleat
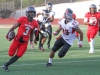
(79,45)
(91,51)
(48,64)
(31,45)
(41,48)
(48,46)
(5,68)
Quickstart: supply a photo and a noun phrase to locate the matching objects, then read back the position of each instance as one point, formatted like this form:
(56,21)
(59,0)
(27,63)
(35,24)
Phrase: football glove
(55,33)
(80,44)
(10,35)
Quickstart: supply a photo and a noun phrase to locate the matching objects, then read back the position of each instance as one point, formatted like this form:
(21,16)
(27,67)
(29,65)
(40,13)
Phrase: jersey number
(74,23)
(94,21)
(65,31)
(27,30)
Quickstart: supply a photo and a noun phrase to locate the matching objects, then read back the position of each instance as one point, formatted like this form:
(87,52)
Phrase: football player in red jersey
(99,20)
(92,20)
(25,25)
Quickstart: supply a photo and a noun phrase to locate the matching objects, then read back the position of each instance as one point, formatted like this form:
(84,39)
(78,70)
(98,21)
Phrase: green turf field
(76,62)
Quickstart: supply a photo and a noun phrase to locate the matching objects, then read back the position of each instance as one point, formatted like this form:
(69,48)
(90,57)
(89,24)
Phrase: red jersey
(95,17)
(25,27)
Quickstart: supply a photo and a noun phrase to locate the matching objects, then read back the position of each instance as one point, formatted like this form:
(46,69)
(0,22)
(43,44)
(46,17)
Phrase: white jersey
(52,13)
(68,30)
(41,19)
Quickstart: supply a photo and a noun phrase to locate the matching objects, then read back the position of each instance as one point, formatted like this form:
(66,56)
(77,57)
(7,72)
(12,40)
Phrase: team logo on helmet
(68,14)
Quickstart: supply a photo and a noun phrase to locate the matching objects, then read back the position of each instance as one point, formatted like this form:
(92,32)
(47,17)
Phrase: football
(11,35)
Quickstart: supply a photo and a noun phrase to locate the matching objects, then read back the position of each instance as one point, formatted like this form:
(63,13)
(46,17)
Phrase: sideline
(6,26)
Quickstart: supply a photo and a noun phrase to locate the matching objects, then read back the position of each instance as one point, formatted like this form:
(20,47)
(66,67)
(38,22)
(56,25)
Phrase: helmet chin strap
(30,19)
(92,12)
(66,21)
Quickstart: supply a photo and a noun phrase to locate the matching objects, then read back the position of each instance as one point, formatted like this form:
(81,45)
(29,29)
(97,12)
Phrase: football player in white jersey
(68,26)
(41,19)
(77,36)
(48,24)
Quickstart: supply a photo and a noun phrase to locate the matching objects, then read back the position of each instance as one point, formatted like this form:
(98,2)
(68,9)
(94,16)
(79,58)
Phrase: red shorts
(17,48)
(92,33)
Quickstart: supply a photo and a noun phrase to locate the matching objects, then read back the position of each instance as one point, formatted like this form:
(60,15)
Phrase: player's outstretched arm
(51,19)
(80,32)
(86,22)
(11,34)
(57,31)
(39,13)
(81,36)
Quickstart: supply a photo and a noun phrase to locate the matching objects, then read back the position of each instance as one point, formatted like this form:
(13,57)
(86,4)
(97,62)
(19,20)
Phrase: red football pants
(92,33)
(17,48)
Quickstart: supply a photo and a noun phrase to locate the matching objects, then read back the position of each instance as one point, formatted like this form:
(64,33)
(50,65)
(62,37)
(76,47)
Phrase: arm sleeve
(85,19)
(19,20)
(36,24)
(52,13)
(76,25)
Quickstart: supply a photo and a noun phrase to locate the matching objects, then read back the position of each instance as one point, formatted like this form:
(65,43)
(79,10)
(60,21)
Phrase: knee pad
(19,54)
(11,54)
(61,54)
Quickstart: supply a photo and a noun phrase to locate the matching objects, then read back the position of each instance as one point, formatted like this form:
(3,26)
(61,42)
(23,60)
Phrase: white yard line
(35,64)
(78,55)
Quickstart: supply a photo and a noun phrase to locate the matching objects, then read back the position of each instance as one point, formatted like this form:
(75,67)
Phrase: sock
(41,45)
(50,60)
(12,60)
(92,44)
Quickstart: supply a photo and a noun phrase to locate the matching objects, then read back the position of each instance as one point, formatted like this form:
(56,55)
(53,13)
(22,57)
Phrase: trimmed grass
(76,62)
